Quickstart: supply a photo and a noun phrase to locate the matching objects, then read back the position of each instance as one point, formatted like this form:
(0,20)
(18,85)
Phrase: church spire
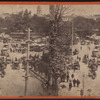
(39,11)
(51,10)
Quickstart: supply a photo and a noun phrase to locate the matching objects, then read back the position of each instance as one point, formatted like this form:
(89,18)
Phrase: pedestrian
(81,92)
(79,58)
(70,86)
(10,50)
(78,82)
(67,71)
(15,58)
(72,76)
(74,82)
(64,76)
(67,77)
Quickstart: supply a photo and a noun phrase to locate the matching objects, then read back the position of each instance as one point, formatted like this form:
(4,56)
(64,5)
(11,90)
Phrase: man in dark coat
(74,82)
(78,82)
(72,75)
(70,86)
(67,77)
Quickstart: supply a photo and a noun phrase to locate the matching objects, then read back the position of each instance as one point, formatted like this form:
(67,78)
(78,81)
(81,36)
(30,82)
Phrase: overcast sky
(79,9)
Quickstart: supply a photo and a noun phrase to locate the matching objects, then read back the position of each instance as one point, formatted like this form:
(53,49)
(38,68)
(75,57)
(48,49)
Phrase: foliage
(83,26)
(23,20)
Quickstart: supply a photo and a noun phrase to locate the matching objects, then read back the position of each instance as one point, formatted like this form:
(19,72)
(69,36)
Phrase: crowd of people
(71,80)
(87,59)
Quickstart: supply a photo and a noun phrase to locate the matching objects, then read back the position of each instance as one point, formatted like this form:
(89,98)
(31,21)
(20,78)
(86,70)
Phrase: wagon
(95,53)
(15,65)
(76,66)
(8,60)
(92,74)
(85,60)
(76,52)
(92,65)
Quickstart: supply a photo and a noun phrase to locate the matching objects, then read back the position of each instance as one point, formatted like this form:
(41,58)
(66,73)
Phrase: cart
(15,65)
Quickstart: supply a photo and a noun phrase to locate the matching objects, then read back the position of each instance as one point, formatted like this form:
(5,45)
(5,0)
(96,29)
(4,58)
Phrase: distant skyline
(84,10)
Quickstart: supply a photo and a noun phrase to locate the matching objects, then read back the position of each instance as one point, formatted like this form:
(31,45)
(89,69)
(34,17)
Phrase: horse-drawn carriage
(85,59)
(15,65)
(3,66)
(75,52)
(74,66)
(92,74)
(92,65)
(4,51)
(95,53)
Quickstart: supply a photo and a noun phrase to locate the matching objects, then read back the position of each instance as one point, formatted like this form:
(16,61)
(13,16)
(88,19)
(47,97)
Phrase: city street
(13,84)
(49,50)
(89,84)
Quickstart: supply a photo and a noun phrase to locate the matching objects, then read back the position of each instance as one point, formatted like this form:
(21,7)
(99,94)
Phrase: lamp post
(72,37)
(72,29)
(82,90)
(72,23)
(83,82)
(27,67)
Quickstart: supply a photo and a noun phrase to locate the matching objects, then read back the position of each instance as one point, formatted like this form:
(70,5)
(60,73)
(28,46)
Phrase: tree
(23,19)
(18,22)
(83,26)
(40,25)
(57,42)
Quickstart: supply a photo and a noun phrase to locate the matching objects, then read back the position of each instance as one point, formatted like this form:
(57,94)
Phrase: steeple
(39,11)
(51,10)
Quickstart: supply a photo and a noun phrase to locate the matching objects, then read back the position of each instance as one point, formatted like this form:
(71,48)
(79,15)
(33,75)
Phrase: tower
(39,11)
(51,10)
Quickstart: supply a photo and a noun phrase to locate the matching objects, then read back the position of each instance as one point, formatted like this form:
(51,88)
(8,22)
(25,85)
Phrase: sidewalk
(75,91)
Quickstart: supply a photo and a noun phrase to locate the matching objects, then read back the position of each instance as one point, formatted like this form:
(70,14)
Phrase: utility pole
(82,90)
(72,31)
(27,67)
(83,82)
(72,42)
(72,37)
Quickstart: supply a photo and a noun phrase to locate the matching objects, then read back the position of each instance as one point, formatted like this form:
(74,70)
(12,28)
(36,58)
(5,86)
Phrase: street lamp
(83,82)
(82,90)
(27,67)
(72,24)
(72,28)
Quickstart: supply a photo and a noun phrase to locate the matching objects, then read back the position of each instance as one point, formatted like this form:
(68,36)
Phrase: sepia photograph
(49,50)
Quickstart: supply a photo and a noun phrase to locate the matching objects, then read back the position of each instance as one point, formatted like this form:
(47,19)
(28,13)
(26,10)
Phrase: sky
(84,10)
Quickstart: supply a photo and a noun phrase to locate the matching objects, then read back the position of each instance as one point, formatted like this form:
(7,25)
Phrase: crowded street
(49,54)
(91,86)
(13,83)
